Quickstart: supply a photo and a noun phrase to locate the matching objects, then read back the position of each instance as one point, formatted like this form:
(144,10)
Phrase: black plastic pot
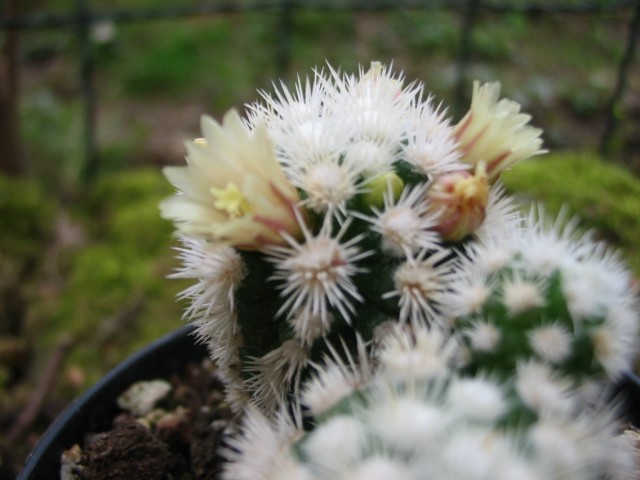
(94,410)
(630,392)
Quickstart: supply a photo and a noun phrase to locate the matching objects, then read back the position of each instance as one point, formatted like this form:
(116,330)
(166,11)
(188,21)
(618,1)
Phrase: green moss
(116,296)
(26,218)
(140,228)
(115,301)
(101,282)
(124,188)
(604,195)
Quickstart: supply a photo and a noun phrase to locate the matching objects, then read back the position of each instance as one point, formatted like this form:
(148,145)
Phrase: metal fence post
(90,164)
(285,30)
(466,40)
(611,122)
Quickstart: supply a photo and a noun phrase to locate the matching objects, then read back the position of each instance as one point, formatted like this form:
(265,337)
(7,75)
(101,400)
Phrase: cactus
(427,420)
(537,318)
(546,294)
(328,210)
(355,255)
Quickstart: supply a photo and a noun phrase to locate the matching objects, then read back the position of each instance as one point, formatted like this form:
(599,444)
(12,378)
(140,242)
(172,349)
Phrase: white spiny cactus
(355,254)
(436,424)
(554,296)
(330,209)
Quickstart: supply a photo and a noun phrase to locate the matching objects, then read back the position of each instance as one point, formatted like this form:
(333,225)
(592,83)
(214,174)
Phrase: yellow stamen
(231,200)
(474,188)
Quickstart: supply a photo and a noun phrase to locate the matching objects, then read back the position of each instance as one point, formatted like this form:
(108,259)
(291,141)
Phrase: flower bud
(377,187)
(462,199)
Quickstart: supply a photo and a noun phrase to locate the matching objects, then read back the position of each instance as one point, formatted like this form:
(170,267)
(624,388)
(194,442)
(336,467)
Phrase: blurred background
(97,95)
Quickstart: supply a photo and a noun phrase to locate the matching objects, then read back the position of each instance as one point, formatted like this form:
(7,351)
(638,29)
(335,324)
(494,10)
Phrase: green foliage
(101,281)
(496,40)
(427,32)
(586,101)
(197,55)
(139,227)
(52,135)
(26,229)
(127,188)
(310,25)
(493,38)
(220,60)
(604,195)
(173,56)
(26,218)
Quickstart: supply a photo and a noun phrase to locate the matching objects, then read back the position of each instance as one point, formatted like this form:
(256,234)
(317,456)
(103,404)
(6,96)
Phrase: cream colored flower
(232,189)
(495,132)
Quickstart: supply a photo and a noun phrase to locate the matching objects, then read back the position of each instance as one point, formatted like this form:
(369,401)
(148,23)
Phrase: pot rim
(93,409)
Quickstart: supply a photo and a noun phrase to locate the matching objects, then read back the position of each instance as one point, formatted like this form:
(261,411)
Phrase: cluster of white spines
(417,412)
(571,299)
(420,283)
(219,270)
(430,422)
(316,273)
(406,225)
(430,144)
(338,132)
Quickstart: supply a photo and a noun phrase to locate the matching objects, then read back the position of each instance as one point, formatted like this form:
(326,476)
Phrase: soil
(178,439)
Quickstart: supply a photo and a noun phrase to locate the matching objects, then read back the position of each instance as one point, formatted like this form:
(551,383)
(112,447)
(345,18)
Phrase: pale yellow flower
(495,132)
(232,189)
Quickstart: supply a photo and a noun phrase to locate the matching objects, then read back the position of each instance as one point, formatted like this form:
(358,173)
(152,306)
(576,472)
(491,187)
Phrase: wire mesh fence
(83,17)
